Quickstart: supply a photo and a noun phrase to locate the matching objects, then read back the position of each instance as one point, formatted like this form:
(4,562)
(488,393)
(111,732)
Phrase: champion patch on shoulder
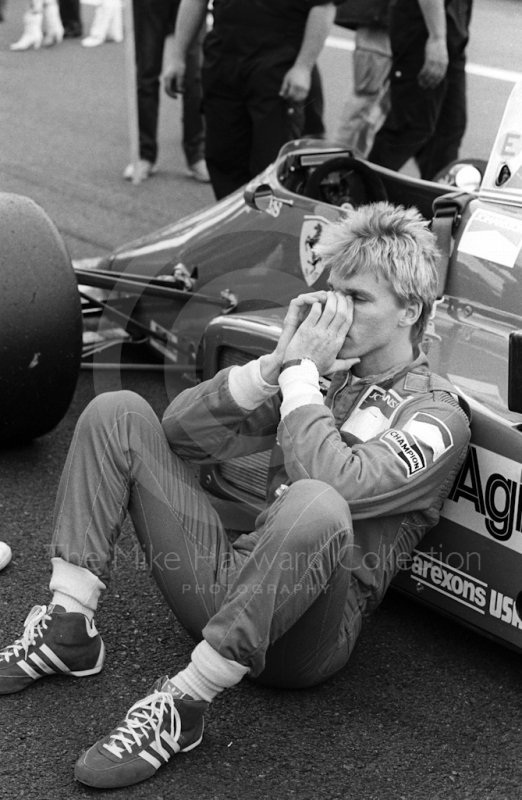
(408,453)
(430,431)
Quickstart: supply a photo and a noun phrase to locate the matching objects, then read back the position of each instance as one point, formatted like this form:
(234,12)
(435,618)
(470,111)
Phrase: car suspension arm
(155,287)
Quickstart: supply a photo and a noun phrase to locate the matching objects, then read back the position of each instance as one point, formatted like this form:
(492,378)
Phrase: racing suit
(354,483)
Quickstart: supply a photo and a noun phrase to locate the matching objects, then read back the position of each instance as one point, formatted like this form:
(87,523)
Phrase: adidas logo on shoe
(54,642)
(155,729)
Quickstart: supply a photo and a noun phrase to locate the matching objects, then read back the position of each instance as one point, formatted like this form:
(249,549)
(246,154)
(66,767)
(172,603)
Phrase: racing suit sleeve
(235,413)
(405,468)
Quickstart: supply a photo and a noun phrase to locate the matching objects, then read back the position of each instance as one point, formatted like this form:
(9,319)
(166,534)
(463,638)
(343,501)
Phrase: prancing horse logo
(311,233)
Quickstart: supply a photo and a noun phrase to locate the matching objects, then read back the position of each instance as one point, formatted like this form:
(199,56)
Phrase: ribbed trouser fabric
(282,601)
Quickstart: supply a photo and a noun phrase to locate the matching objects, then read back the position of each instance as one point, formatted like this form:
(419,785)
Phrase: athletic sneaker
(199,171)
(155,728)
(54,642)
(143,169)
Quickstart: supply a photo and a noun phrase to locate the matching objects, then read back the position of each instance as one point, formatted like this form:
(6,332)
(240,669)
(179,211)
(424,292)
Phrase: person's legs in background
(228,131)
(365,111)
(443,147)
(107,24)
(193,119)
(42,26)
(275,121)
(151,26)
(70,12)
(411,121)
(247,122)
(32,35)
(314,108)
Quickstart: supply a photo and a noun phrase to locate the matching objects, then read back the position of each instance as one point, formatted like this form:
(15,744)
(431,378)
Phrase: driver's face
(376,335)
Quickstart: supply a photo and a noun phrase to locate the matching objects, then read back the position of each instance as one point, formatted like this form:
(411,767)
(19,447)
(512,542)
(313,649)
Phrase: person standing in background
(314,107)
(258,60)
(42,26)
(154,21)
(70,14)
(107,24)
(427,119)
(365,111)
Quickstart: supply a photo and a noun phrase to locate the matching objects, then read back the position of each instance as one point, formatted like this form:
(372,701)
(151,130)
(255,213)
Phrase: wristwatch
(295,362)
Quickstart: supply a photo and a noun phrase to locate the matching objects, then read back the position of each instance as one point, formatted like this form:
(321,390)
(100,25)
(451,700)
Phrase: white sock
(70,604)
(75,588)
(207,674)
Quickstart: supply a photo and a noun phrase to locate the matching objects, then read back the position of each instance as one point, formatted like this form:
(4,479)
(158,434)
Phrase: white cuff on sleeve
(247,387)
(300,387)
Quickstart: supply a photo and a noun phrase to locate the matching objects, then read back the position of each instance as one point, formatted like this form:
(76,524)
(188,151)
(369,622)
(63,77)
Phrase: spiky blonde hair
(394,242)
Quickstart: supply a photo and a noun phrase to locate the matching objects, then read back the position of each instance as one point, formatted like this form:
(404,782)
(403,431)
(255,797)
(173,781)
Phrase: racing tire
(371,184)
(40,322)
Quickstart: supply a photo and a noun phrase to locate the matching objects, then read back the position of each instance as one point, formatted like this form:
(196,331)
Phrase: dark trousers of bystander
(70,14)
(247,122)
(153,22)
(424,124)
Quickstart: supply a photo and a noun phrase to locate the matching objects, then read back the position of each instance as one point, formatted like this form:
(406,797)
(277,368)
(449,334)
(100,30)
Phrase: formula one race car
(211,290)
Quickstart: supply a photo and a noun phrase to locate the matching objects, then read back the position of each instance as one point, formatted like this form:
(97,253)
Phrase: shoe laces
(34,625)
(144,717)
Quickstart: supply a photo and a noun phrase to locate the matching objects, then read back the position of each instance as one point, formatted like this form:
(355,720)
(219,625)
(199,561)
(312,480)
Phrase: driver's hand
(297,311)
(322,333)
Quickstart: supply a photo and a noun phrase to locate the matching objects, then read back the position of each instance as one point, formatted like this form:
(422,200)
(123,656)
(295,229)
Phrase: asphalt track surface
(424,710)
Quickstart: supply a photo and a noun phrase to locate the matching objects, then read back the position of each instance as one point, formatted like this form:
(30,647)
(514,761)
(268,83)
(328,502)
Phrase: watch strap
(296,362)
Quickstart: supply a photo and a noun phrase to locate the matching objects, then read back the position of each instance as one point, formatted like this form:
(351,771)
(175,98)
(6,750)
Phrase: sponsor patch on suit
(407,452)
(431,432)
(373,413)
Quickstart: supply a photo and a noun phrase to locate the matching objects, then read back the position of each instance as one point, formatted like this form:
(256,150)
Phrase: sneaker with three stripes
(155,728)
(54,642)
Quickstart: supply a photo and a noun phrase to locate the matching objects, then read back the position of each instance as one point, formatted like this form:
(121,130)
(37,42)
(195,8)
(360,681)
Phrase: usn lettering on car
(487,497)
(463,588)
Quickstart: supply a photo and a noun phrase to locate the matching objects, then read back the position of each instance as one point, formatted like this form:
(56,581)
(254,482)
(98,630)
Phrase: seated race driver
(355,481)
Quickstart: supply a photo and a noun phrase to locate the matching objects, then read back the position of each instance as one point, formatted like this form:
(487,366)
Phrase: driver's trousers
(282,600)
